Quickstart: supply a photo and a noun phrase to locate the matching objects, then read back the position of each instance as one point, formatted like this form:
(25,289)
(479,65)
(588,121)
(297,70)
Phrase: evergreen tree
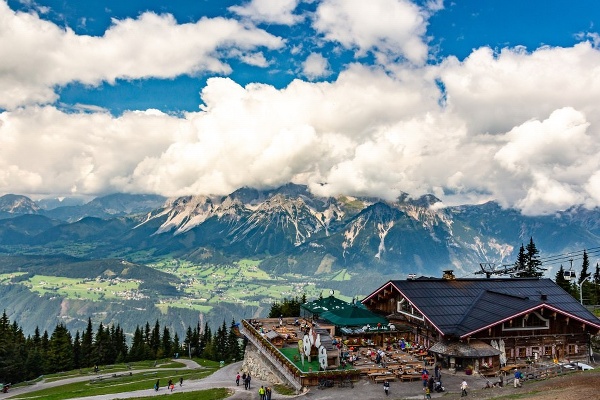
(155,339)
(176,346)
(585,264)
(533,264)
(561,281)
(596,283)
(166,344)
(233,347)
(584,285)
(189,341)
(521,263)
(60,356)
(77,351)
(87,341)
(138,346)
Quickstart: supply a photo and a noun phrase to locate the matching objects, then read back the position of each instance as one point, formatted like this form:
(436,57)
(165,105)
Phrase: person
(430,384)
(427,393)
(157,385)
(237,379)
(261,393)
(425,378)
(386,387)
(518,377)
(268,393)
(437,372)
(248,379)
(463,388)
(181,381)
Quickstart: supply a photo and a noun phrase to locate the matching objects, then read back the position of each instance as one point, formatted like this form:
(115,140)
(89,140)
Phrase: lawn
(110,383)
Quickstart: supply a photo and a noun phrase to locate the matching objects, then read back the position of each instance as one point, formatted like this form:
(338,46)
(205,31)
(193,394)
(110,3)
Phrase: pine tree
(60,356)
(561,281)
(233,347)
(77,351)
(521,263)
(584,285)
(166,344)
(87,340)
(596,283)
(534,264)
(155,339)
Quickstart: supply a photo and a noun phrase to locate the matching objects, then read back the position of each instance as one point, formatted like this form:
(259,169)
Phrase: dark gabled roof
(461,307)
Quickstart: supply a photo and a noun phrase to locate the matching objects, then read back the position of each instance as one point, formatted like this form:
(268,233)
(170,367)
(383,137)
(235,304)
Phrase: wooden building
(484,323)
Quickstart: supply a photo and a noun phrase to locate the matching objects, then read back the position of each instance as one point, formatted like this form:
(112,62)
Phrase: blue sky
(471,101)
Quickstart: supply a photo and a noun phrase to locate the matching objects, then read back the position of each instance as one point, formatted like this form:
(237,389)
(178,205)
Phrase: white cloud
(387,28)
(269,11)
(519,127)
(36,55)
(315,66)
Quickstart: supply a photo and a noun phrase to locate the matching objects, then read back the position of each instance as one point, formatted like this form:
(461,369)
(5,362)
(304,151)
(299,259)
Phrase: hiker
(261,393)
(157,385)
(181,381)
(518,377)
(463,388)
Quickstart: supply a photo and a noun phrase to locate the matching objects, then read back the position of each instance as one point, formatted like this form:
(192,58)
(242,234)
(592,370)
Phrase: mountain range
(287,230)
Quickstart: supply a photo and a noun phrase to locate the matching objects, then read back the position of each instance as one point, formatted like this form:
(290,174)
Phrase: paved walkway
(225,377)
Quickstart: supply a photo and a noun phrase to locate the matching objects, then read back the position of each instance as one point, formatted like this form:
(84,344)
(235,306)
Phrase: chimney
(544,297)
(449,275)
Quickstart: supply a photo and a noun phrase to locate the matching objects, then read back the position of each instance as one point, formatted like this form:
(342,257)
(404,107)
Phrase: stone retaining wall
(261,368)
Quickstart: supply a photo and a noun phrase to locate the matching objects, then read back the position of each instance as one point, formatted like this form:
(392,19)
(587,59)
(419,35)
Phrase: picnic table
(409,377)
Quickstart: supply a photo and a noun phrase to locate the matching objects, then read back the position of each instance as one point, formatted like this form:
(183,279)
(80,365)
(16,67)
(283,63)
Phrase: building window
(521,352)
(572,349)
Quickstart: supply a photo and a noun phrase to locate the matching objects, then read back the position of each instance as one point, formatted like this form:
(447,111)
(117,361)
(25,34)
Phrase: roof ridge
(459,323)
(508,294)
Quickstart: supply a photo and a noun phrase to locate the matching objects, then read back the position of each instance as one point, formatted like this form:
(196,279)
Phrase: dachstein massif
(134,259)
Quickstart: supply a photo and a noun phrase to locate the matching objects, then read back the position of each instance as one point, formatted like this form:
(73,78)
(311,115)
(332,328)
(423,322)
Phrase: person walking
(463,388)
(268,393)
(518,377)
(386,387)
(157,385)
(181,381)
(427,393)
(261,393)
(248,379)
(237,379)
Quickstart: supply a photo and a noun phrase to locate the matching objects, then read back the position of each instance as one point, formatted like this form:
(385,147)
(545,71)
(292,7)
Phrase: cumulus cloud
(389,29)
(269,11)
(520,127)
(36,55)
(315,66)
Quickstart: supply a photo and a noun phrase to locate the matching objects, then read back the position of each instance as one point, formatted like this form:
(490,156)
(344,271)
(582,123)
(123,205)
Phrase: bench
(410,377)
(380,379)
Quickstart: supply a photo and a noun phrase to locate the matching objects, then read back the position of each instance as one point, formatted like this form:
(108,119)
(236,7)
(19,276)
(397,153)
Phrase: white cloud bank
(36,55)
(519,127)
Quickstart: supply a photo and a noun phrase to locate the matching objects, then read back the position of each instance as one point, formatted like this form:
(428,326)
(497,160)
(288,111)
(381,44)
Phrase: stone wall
(261,368)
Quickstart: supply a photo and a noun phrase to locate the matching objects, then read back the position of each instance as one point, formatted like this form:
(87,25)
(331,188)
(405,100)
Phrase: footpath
(225,378)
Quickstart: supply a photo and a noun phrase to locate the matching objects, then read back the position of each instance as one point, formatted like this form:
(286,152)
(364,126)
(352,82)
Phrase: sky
(471,101)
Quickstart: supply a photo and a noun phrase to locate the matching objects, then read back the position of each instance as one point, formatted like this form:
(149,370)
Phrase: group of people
(170,385)
(245,378)
(264,393)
